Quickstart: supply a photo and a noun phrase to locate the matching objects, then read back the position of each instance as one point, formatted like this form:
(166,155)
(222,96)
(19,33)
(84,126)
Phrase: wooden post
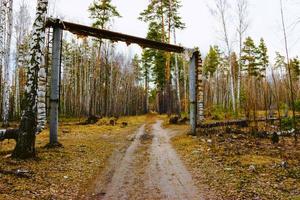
(200,89)
(55,75)
(192,88)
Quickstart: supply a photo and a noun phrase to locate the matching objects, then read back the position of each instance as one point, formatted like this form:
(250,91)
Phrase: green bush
(297,105)
(218,113)
(287,123)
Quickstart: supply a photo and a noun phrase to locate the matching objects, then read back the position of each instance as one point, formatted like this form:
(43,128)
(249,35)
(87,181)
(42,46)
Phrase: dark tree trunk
(25,147)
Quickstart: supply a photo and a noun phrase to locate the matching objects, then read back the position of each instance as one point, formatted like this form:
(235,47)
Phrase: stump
(174,120)
(93,119)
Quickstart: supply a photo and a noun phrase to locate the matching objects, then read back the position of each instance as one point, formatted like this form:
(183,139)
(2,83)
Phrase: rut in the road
(151,170)
(167,173)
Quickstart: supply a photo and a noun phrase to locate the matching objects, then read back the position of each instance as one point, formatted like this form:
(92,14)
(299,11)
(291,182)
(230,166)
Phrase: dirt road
(150,169)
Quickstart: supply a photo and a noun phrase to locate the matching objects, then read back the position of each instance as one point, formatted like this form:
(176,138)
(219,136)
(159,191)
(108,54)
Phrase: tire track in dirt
(124,176)
(150,170)
(166,171)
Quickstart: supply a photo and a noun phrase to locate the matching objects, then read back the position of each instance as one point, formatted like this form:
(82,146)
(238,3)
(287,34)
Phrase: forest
(81,119)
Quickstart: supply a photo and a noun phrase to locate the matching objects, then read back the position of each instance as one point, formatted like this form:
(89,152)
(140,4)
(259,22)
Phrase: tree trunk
(185,88)
(7,24)
(178,101)
(25,142)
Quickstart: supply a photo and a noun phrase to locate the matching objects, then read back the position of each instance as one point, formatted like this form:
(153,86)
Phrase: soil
(150,169)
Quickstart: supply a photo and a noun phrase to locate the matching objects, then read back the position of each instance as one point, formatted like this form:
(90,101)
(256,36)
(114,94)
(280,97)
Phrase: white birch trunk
(8,25)
(42,76)
(177,80)
(37,67)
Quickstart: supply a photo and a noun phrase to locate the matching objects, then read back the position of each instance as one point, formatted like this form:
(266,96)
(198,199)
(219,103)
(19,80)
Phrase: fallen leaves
(236,166)
(63,173)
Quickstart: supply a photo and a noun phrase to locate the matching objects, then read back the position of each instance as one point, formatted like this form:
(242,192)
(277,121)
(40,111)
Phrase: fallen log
(241,123)
(9,134)
(18,173)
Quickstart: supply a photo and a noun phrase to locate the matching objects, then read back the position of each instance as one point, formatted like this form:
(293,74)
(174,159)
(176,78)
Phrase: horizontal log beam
(242,122)
(9,134)
(224,123)
(113,36)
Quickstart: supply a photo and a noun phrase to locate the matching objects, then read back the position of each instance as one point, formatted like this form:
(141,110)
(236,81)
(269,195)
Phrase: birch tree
(2,41)
(22,23)
(26,134)
(221,12)
(242,26)
(7,27)
(290,81)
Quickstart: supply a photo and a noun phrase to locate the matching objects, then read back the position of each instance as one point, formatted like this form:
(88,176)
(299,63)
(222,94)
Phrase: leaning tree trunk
(25,141)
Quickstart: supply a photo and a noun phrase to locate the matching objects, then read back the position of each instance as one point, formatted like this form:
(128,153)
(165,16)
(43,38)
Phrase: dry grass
(241,166)
(62,173)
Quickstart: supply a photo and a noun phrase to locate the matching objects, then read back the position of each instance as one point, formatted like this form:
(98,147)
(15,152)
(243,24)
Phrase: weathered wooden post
(192,88)
(200,89)
(55,75)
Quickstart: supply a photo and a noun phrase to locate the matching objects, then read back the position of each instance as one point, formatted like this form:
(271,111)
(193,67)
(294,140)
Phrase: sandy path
(151,170)
(166,172)
(125,173)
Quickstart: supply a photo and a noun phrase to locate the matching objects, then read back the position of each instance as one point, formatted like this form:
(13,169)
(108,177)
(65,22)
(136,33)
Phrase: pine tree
(250,65)
(295,68)
(262,58)
(235,67)
(146,70)
(165,13)
(212,61)
(103,12)
(263,63)
(249,58)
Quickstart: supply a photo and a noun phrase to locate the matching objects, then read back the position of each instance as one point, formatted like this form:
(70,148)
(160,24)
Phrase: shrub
(218,113)
(297,105)
(287,123)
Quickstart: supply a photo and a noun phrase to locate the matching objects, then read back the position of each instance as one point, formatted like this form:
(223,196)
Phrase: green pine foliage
(212,61)
(295,68)
(254,58)
(262,58)
(102,11)
(169,10)
(249,62)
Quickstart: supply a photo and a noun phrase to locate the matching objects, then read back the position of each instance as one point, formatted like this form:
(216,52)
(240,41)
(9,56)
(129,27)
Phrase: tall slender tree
(242,26)
(22,23)
(165,13)
(7,11)
(221,12)
(102,12)
(290,85)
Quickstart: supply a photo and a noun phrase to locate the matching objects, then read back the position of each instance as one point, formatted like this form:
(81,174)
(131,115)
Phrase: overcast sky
(202,29)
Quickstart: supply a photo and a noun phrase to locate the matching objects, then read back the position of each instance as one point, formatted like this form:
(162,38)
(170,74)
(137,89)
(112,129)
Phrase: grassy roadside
(242,167)
(64,172)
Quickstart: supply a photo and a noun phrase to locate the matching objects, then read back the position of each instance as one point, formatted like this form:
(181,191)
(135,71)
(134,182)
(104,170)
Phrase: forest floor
(64,173)
(150,159)
(239,166)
